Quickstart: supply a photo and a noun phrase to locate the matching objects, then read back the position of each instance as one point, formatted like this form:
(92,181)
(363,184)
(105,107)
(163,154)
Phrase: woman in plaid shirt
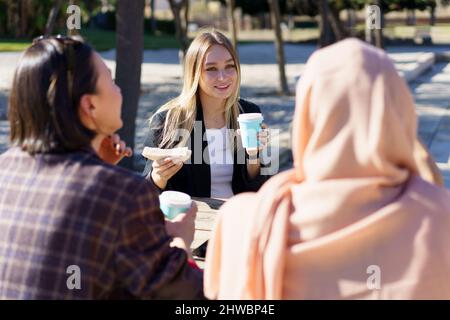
(73,225)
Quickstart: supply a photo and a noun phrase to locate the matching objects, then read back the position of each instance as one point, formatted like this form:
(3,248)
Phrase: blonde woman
(204,118)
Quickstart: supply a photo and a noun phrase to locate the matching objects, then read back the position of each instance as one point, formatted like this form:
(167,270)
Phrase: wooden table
(204,223)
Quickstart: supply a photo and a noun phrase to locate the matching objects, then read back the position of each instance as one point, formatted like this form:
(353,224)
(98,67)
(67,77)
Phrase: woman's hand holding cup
(263,137)
(253,140)
(179,225)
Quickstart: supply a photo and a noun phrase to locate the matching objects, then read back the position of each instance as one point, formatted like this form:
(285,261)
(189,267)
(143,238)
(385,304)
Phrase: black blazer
(195,179)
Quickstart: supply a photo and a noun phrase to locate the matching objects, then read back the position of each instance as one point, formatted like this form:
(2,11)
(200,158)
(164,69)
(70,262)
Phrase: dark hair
(46,92)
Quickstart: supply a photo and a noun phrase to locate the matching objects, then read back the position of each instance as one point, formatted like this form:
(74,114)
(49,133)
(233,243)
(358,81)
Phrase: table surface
(204,222)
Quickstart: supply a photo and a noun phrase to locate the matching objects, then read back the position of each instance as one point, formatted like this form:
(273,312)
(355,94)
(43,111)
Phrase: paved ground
(432,96)
(161,80)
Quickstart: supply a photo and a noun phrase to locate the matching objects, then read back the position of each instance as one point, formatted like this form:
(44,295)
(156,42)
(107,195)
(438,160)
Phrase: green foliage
(13,44)
(253,7)
(37,12)
(310,7)
(162,26)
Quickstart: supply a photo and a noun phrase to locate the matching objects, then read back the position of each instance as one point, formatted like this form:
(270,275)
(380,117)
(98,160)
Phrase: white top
(221,162)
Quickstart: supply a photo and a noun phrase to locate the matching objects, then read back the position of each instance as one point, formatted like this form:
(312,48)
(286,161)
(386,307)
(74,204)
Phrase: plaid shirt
(73,227)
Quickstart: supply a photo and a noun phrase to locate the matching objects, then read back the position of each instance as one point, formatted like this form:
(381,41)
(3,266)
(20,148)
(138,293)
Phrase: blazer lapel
(200,168)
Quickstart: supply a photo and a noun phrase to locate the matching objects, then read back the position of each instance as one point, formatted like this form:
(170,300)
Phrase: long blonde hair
(181,111)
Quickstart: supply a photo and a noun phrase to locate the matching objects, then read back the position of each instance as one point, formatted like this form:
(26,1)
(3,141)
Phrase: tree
(276,21)
(326,34)
(153,17)
(130,44)
(379,38)
(330,25)
(433,14)
(24,14)
(13,16)
(30,18)
(253,7)
(52,17)
(335,22)
(231,5)
(180,11)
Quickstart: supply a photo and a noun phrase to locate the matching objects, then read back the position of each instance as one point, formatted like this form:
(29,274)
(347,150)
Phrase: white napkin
(176,154)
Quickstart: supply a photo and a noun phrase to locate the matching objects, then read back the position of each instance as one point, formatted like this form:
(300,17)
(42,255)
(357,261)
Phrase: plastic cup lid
(252,151)
(250,117)
(175,198)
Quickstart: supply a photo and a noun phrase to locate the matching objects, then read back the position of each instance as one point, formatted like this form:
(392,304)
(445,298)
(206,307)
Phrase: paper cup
(250,125)
(173,202)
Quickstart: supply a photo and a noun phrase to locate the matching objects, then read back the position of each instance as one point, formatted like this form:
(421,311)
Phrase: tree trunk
(276,20)
(3,7)
(180,25)
(291,22)
(153,17)
(52,17)
(336,23)
(130,44)
(379,39)
(432,16)
(24,11)
(260,21)
(413,17)
(232,22)
(351,22)
(186,18)
(9,16)
(326,37)
(13,18)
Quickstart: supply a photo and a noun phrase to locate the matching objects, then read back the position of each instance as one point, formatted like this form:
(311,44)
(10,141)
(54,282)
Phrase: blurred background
(413,21)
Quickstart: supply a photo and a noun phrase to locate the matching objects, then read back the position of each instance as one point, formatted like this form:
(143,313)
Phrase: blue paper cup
(250,125)
(173,203)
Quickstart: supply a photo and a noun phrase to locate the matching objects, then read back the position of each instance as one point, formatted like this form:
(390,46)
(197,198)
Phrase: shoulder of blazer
(155,129)
(249,107)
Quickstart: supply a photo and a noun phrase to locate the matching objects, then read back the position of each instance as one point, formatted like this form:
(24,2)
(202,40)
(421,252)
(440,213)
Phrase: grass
(13,45)
(101,40)
(105,40)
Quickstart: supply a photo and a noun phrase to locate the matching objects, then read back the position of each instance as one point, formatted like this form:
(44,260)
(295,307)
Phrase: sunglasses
(68,44)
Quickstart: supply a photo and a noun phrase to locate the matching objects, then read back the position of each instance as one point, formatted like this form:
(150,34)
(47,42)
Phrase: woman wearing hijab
(353,219)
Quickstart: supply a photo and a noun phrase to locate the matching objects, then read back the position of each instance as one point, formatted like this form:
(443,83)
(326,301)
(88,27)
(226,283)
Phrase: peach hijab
(353,219)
